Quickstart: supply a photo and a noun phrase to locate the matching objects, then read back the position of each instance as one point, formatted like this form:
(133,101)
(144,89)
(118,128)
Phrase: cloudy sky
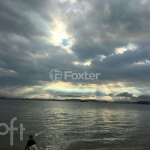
(111,37)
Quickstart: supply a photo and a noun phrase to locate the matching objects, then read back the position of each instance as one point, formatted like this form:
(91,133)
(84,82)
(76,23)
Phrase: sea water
(77,125)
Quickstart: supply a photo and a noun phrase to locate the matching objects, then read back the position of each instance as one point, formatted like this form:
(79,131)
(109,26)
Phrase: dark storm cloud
(125,66)
(115,23)
(111,94)
(14,20)
(125,94)
(22,48)
(97,28)
(130,96)
(145,97)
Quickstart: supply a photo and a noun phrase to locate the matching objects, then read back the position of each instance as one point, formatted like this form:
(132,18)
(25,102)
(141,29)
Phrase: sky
(110,37)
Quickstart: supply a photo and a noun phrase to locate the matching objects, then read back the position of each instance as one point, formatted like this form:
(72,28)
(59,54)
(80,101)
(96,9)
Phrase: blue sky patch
(65,42)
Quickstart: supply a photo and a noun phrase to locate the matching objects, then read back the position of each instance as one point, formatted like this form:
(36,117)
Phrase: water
(77,125)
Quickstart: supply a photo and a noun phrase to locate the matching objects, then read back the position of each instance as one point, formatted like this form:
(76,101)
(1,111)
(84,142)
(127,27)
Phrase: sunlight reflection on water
(79,126)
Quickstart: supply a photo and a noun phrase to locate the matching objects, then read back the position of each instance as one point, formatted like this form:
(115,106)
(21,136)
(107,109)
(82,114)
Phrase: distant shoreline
(79,100)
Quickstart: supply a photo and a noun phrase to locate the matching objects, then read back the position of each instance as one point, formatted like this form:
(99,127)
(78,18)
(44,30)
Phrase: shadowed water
(77,125)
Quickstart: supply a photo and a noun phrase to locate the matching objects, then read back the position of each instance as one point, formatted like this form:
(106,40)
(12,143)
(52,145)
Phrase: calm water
(77,125)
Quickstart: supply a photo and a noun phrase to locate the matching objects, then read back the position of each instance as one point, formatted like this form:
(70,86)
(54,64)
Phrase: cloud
(107,37)
(144,97)
(125,94)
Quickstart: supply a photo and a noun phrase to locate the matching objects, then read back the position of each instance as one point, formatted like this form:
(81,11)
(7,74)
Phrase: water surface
(77,125)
